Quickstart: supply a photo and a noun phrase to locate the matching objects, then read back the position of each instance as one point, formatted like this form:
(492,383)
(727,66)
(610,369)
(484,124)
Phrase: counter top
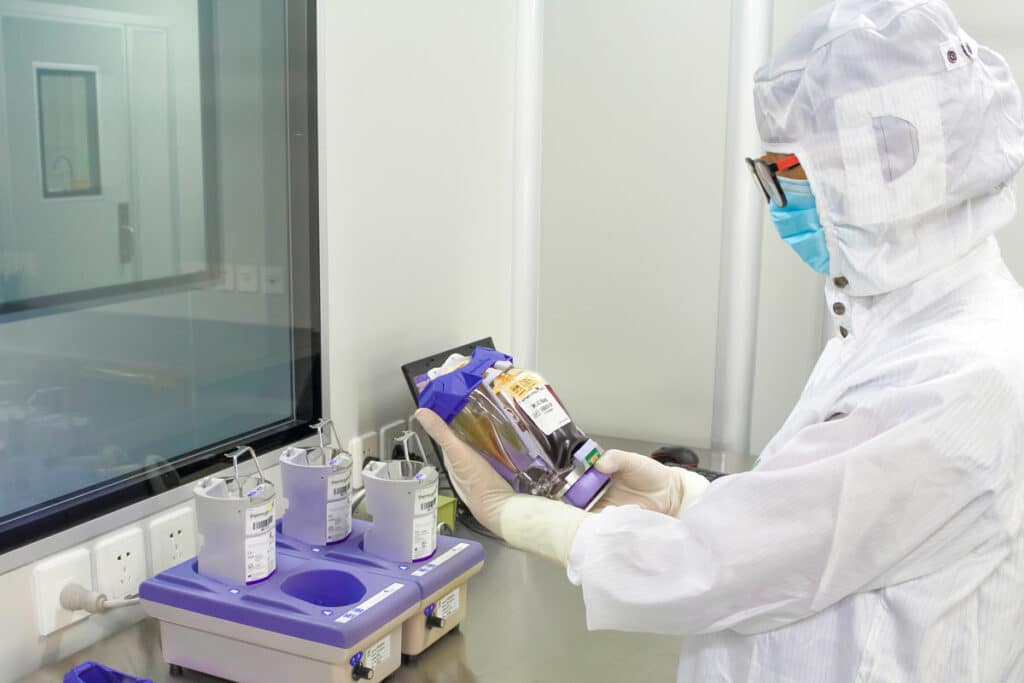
(525,623)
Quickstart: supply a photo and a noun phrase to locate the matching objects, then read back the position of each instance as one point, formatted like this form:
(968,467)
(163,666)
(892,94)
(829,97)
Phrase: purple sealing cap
(587,489)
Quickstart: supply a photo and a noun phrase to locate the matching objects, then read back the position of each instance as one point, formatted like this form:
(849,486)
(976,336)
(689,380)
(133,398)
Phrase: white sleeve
(694,486)
(846,506)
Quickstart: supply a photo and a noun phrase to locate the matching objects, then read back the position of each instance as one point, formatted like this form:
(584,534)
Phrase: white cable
(126,601)
(74,597)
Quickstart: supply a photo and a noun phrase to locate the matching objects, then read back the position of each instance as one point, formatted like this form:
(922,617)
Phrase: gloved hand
(639,480)
(539,525)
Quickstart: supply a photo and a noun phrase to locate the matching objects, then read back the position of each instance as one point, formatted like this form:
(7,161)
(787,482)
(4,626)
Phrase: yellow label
(502,381)
(522,385)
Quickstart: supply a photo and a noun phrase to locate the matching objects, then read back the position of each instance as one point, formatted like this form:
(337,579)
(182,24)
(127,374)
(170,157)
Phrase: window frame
(78,507)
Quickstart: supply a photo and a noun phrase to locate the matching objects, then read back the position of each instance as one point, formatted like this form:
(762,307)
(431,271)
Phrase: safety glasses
(767,176)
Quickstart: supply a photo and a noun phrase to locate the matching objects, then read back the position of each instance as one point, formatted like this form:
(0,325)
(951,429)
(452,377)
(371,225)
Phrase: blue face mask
(799,225)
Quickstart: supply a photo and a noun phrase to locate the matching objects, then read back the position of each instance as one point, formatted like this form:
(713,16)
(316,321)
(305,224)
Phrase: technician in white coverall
(879,538)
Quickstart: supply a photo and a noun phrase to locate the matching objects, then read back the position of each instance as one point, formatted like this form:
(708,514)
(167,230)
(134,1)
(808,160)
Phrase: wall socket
(247,278)
(172,539)
(388,434)
(49,578)
(362,448)
(119,563)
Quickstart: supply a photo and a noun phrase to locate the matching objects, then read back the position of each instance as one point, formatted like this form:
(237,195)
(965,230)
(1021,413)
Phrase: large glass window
(158,280)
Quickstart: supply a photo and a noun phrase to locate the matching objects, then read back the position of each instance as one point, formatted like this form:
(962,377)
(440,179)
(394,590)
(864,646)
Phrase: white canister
(235,519)
(401,495)
(317,485)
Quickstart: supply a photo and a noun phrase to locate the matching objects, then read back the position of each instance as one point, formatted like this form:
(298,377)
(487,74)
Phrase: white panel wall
(792,302)
(416,126)
(633,172)
(999,25)
(633,137)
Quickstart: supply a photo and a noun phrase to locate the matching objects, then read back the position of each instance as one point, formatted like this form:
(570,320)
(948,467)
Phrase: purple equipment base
(305,598)
(429,575)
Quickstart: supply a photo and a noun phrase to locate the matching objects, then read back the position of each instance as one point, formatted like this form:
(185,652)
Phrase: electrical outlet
(172,539)
(225,281)
(273,280)
(119,563)
(247,278)
(388,435)
(49,578)
(363,448)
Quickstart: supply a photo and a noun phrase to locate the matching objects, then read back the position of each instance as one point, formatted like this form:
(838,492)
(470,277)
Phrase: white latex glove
(539,525)
(639,480)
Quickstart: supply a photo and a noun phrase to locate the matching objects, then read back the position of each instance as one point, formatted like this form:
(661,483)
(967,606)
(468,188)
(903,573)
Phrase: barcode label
(260,556)
(339,485)
(259,519)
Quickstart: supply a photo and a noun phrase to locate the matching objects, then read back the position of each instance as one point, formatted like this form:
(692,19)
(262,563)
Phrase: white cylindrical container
(317,484)
(401,495)
(235,518)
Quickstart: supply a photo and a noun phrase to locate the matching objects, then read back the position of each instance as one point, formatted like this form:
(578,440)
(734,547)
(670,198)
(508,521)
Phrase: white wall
(999,25)
(632,187)
(416,188)
(633,136)
(633,173)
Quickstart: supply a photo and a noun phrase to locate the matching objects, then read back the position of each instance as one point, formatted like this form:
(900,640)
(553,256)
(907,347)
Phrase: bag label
(545,410)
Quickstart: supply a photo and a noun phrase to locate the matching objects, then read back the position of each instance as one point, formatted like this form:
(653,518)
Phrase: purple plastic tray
(309,598)
(454,557)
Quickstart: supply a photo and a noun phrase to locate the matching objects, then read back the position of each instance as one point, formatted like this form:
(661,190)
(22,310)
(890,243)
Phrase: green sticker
(593,457)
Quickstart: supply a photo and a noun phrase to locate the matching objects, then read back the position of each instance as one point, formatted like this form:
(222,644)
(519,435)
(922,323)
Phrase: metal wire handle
(234,455)
(404,440)
(331,441)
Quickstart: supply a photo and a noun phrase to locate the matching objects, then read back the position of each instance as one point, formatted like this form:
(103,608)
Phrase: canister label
(260,555)
(424,522)
(339,505)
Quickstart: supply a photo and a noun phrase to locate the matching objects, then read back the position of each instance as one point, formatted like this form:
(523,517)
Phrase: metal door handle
(125,233)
